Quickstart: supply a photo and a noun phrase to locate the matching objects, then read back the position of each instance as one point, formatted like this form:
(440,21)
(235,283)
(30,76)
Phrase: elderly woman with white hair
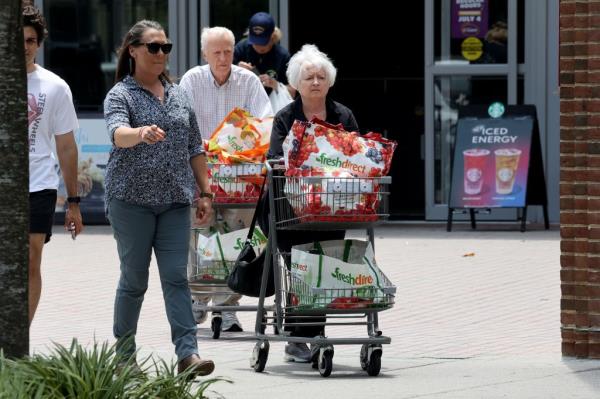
(311,73)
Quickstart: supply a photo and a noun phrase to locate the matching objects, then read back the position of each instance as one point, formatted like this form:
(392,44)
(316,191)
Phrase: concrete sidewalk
(480,326)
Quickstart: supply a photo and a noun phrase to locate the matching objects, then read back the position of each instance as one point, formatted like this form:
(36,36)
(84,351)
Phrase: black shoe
(234,328)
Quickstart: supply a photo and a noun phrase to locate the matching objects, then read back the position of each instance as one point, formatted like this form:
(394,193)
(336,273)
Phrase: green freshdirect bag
(342,268)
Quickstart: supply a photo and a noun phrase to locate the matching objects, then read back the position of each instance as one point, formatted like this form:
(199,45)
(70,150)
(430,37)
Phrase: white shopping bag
(343,268)
(280,98)
(225,247)
(232,243)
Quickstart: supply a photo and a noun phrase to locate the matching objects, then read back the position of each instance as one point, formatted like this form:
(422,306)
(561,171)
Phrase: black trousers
(285,240)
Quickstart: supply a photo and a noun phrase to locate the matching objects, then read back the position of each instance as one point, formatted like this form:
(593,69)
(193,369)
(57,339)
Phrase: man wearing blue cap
(261,53)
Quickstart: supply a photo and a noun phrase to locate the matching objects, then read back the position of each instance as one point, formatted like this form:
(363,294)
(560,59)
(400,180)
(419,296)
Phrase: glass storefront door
(474,55)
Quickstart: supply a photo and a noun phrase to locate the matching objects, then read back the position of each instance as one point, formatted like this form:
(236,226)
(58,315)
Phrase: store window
(474,32)
(83,39)
(235,14)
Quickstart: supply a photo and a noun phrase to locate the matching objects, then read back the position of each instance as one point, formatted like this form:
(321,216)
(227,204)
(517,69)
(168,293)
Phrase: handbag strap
(257,210)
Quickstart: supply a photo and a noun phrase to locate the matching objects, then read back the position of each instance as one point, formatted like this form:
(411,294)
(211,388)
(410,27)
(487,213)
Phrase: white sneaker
(230,322)
(199,309)
(297,352)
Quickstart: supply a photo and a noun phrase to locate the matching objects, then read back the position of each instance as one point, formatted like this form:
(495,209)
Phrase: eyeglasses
(154,47)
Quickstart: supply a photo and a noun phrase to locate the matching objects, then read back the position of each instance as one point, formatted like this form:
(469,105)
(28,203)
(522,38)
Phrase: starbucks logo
(496,110)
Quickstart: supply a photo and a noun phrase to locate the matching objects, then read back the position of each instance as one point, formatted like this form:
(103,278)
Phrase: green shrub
(96,373)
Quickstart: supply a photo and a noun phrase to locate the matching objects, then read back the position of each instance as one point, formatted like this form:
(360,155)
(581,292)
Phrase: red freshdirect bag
(348,163)
(320,146)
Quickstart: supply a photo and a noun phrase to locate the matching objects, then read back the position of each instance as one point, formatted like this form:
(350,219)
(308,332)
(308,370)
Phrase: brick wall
(580,177)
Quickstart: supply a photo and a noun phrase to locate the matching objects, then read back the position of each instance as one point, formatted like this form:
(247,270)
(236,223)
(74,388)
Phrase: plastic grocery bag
(240,137)
(232,243)
(280,98)
(218,251)
(344,269)
(321,147)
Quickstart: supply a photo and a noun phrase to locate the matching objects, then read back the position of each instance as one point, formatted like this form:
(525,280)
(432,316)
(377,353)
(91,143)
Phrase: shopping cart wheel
(215,325)
(258,361)
(364,356)
(370,359)
(325,363)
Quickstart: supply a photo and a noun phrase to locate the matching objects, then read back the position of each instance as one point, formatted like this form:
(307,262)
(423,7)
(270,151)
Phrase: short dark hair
(34,18)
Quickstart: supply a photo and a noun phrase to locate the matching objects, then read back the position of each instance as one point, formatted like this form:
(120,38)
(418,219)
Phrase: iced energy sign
(491,163)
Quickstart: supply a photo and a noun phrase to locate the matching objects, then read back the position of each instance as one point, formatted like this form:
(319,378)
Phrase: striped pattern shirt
(212,102)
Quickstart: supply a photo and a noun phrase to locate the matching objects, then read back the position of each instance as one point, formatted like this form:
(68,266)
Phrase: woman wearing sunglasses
(155,163)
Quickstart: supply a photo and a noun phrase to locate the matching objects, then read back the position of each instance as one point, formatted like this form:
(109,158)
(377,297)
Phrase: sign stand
(507,145)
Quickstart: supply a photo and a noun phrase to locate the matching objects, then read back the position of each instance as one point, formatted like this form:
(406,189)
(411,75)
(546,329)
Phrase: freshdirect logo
(256,241)
(234,144)
(217,178)
(360,279)
(338,163)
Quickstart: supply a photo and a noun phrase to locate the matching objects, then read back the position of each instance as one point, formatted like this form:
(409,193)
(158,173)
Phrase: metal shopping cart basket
(322,203)
(235,186)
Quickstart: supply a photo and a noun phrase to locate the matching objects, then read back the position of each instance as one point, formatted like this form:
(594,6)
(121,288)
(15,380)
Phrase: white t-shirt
(50,112)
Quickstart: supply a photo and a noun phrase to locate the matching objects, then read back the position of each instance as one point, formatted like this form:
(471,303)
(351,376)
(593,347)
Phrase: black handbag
(246,276)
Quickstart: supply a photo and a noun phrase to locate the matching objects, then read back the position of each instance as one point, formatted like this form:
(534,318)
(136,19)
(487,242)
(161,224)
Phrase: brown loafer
(199,366)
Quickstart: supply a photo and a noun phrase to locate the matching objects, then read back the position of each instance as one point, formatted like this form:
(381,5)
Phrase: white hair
(216,31)
(309,56)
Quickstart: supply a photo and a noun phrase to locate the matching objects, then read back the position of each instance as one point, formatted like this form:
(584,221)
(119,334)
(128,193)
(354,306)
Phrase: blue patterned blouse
(158,174)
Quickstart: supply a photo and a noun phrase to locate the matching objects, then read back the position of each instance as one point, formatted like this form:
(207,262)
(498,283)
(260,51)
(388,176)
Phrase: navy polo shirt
(274,63)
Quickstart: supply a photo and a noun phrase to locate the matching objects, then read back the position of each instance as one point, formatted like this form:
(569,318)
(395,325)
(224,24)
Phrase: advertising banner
(94,147)
(491,162)
(469,18)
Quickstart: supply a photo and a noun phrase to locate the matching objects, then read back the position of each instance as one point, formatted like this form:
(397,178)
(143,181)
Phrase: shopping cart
(235,186)
(322,203)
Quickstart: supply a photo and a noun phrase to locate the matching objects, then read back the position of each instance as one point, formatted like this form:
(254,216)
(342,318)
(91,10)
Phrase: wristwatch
(74,200)
(207,195)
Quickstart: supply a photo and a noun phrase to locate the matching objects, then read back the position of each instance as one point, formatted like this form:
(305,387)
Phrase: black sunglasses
(154,47)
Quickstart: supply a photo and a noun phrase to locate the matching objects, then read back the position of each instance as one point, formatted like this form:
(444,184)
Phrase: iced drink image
(507,161)
(474,161)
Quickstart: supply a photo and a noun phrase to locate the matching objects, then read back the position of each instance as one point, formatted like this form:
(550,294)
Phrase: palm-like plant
(95,373)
